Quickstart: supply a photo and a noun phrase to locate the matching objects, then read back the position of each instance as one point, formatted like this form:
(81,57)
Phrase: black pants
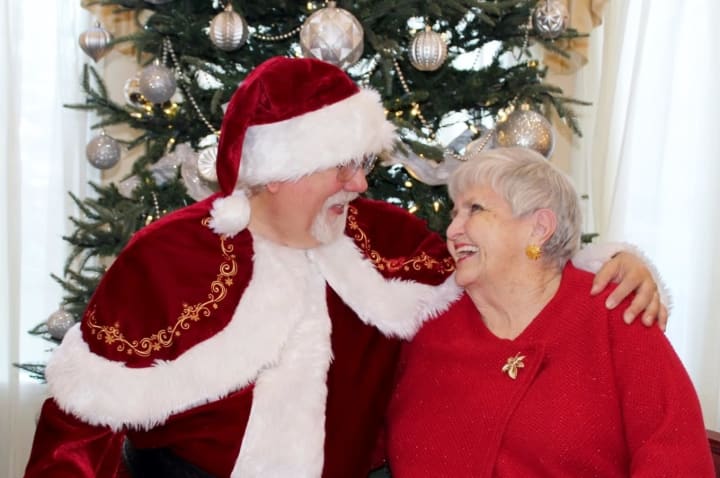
(158,463)
(162,463)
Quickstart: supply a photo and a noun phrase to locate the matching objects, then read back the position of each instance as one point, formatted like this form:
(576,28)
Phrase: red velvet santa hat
(289,118)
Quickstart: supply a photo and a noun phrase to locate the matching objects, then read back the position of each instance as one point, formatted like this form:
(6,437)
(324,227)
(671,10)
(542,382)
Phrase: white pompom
(230,214)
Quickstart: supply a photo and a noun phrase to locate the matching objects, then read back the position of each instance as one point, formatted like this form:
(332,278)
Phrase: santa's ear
(544,225)
(273,186)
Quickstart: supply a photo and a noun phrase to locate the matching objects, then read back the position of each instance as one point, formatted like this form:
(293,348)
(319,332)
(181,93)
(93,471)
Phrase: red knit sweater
(595,397)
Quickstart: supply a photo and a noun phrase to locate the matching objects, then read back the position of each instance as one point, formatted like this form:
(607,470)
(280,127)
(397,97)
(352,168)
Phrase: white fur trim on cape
(105,392)
(320,139)
(230,214)
(396,307)
(592,257)
(278,339)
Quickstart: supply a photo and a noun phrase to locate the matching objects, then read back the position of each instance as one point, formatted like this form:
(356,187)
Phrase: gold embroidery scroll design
(419,262)
(164,338)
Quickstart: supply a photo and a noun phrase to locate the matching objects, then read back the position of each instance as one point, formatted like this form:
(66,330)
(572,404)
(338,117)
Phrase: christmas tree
(455,76)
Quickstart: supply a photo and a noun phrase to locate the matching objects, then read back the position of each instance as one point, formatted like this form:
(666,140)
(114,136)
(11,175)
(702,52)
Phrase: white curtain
(41,151)
(650,161)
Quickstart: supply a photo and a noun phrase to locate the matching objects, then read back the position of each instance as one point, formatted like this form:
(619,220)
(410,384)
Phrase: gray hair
(528,182)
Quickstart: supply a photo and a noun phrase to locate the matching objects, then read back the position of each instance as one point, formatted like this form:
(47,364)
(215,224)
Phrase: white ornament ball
(157,83)
(334,35)
(228,30)
(428,50)
(103,152)
(59,323)
(95,42)
(527,129)
(550,18)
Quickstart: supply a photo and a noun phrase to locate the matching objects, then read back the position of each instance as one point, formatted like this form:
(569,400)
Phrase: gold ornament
(133,97)
(525,128)
(533,252)
(513,364)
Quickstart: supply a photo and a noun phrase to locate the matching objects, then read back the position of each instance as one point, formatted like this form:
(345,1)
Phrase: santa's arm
(66,447)
(627,266)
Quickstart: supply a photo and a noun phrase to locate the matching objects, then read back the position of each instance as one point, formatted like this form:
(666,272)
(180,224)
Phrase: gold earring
(533,252)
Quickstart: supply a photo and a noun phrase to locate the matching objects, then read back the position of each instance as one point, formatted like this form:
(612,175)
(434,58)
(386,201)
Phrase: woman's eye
(476,208)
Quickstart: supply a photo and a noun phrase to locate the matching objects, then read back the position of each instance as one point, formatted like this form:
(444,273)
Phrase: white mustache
(341,197)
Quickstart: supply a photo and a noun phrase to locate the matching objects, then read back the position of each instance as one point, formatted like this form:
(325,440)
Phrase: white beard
(326,230)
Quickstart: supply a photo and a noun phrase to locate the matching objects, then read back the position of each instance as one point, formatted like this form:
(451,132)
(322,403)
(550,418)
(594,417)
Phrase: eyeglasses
(346,171)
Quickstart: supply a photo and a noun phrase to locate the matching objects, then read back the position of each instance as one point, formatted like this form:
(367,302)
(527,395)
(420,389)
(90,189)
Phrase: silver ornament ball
(103,152)
(527,129)
(228,30)
(59,323)
(95,42)
(157,83)
(428,50)
(334,35)
(550,18)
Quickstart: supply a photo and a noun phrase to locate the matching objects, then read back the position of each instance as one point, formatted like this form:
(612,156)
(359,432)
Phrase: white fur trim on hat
(230,214)
(317,140)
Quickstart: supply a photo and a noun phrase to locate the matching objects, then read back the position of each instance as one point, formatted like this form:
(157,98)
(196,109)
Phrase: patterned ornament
(334,35)
(228,30)
(59,323)
(132,93)
(206,163)
(197,187)
(528,129)
(103,152)
(94,42)
(550,18)
(157,83)
(428,50)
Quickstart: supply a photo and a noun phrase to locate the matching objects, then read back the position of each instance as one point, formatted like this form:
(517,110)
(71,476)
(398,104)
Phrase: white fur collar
(396,307)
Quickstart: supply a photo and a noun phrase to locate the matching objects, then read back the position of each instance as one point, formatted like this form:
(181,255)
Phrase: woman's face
(484,238)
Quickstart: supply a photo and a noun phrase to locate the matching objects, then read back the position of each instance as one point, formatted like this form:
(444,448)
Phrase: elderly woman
(527,374)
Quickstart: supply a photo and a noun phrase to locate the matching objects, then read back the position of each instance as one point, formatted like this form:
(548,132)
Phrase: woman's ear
(544,225)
